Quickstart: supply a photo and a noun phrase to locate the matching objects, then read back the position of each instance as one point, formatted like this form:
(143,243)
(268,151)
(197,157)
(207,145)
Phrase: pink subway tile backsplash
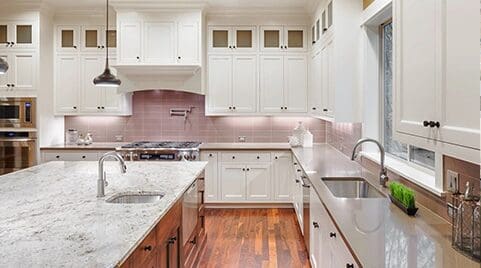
(151,120)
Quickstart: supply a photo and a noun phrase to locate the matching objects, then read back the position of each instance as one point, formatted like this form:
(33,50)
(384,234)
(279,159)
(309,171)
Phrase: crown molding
(250,11)
(149,5)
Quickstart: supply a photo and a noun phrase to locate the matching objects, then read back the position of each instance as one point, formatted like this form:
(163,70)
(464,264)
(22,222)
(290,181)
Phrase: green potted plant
(403,197)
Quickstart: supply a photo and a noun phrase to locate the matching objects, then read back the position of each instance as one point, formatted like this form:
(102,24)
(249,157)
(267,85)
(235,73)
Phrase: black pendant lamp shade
(107,78)
(3,66)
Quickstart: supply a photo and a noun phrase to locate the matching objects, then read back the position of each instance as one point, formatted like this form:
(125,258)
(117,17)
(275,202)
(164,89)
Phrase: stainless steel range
(160,151)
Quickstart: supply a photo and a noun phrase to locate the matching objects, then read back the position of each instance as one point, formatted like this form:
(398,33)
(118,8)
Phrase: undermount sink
(135,198)
(351,188)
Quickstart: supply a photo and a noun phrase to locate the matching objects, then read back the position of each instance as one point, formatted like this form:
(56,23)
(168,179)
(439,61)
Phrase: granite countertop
(51,216)
(203,146)
(379,233)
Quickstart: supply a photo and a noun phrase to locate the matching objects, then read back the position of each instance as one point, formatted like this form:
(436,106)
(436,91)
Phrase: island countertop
(51,217)
(378,233)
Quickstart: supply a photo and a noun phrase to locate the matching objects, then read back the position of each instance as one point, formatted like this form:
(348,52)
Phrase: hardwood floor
(253,238)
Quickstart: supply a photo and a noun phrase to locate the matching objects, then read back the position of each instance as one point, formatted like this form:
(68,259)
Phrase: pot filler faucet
(383,178)
(102,181)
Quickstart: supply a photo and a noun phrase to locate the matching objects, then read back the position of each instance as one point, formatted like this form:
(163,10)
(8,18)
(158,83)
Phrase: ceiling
(212,4)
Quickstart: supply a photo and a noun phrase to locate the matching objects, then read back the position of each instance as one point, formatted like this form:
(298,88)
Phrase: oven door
(17,154)
(17,113)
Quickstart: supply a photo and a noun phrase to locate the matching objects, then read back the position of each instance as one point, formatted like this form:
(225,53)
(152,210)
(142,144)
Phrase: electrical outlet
(453,181)
(119,138)
(242,138)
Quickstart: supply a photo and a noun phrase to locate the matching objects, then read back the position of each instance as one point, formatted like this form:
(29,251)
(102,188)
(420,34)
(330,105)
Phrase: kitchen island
(50,215)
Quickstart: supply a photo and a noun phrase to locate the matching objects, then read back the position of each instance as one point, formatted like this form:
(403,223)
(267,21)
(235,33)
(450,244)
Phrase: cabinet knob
(297,181)
(425,123)
(103,46)
(75,47)
(230,46)
(275,157)
(315,224)
(98,46)
(75,107)
(233,108)
(349,265)
(282,108)
(325,110)
(258,157)
(138,57)
(57,156)
(324,30)
(179,57)
(233,157)
(210,155)
(12,44)
(285,108)
(248,169)
(314,108)
(299,170)
(12,85)
(98,107)
(234,47)
(332,234)
(103,108)
(434,124)
(172,240)
(8,85)
(313,42)
(295,164)
(83,156)
(243,169)
(148,248)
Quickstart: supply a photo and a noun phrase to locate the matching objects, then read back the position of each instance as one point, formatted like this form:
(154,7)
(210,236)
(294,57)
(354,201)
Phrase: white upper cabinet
(283,84)
(188,42)
(334,72)
(159,39)
(232,84)
(129,36)
(18,35)
(22,73)
(68,38)
(283,38)
(67,78)
(437,70)
(96,39)
(90,95)
(223,39)
(159,42)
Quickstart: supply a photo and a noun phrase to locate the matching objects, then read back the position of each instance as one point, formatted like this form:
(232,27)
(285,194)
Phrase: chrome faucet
(102,181)
(383,178)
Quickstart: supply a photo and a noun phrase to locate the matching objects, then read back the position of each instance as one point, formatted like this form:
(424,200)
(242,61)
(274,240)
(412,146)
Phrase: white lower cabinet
(327,248)
(247,176)
(22,73)
(281,175)
(297,193)
(211,178)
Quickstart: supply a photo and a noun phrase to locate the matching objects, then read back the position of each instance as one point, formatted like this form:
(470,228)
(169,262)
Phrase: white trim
(422,177)
(375,12)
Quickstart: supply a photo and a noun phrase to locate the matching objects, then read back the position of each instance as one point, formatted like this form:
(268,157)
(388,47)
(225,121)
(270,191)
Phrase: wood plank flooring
(253,238)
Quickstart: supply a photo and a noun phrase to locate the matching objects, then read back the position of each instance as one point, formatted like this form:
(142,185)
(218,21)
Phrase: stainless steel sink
(351,188)
(135,198)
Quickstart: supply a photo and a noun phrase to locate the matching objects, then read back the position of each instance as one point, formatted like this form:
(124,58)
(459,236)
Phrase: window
(393,147)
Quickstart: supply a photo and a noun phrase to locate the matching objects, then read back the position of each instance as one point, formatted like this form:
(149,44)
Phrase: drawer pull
(315,224)
(299,170)
(349,265)
(332,234)
(172,240)
(148,248)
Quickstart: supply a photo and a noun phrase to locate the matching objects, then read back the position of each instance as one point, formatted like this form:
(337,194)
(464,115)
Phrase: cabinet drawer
(146,251)
(245,157)
(70,156)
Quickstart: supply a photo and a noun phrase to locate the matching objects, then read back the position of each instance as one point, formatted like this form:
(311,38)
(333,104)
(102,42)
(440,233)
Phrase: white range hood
(138,77)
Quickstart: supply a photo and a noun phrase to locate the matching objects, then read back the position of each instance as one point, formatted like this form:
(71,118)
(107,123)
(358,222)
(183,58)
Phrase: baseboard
(248,205)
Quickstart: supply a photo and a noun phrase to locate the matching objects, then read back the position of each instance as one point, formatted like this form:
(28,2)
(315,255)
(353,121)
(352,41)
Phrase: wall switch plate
(242,138)
(119,138)
(453,181)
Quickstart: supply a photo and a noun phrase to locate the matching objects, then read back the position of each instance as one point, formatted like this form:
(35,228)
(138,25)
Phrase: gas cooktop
(162,145)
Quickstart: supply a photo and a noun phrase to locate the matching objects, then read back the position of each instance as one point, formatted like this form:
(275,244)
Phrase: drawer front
(145,251)
(243,157)
(70,156)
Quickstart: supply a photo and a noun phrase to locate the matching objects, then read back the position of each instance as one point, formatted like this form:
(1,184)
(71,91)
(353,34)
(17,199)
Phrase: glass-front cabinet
(68,38)
(73,38)
(232,39)
(283,38)
(18,34)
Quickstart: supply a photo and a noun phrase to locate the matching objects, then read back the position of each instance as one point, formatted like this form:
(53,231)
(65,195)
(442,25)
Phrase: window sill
(425,180)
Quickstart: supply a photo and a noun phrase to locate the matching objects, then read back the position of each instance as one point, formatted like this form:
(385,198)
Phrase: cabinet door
(67,83)
(315,230)
(272,38)
(159,42)
(272,84)
(24,35)
(68,38)
(211,178)
(23,71)
(315,84)
(220,83)
(188,43)
(233,182)
(244,39)
(327,80)
(91,38)
(244,84)
(418,72)
(129,42)
(258,180)
(461,125)
(4,35)
(281,175)
(295,84)
(90,95)
(295,38)
(220,39)
(112,101)
(5,78)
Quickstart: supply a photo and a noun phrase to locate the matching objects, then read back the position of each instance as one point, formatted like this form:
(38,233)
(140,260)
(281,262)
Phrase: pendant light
(3,66)
(107,78)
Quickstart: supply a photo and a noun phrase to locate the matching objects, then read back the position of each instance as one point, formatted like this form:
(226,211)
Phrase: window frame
(418,166)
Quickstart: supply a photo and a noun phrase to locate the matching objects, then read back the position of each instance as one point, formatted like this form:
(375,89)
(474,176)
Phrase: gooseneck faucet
(102,181)
(383,178)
